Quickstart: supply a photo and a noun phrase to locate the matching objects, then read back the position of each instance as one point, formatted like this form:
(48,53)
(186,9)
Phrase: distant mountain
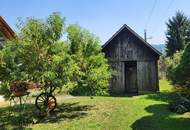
(160,47)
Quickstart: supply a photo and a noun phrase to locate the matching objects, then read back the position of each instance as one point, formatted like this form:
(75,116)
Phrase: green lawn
(146,112)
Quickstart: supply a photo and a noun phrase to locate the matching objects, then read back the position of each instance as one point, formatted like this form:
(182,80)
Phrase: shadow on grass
(12,117)
(124,94)
(162,96)
(67,111)
(15,118)
(161,119)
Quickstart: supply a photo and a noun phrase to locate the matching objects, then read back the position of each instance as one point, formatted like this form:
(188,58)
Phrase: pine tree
(177,33)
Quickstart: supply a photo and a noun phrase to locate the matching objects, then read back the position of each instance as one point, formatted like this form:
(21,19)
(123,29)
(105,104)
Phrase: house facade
(133,62)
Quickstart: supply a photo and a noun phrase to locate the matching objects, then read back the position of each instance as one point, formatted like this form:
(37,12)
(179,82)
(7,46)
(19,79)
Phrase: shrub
(93,70)
(171,64)
(180,104)
(179,68)
(182,71)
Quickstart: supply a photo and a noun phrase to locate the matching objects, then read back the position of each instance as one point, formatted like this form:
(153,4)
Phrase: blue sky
(101,17)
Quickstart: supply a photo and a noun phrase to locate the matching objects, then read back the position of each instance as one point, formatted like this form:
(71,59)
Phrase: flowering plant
(20,88)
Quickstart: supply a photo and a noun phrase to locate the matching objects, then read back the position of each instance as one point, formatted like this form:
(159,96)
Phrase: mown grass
(145,112)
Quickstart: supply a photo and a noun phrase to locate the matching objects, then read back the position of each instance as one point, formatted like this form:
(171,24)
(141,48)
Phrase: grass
(165,86)
(145,112)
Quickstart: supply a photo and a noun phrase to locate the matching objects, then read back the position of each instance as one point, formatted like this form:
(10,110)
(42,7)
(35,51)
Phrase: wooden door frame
(132,64)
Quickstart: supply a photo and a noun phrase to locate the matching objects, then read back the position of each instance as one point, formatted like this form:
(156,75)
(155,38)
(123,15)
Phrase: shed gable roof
(136,35)
(6,30)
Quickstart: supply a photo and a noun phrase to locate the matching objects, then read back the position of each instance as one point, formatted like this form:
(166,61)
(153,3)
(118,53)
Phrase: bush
(182,71)
(93,70)
(179,68)
(181,109)
(4,89)
(180,104)
(171,64)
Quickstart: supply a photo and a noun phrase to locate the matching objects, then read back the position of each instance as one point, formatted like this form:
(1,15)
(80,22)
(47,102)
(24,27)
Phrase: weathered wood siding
(147,76)
(117,83)
(127,47)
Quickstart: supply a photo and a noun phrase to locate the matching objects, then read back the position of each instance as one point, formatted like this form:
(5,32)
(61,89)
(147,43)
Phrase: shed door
(131,77)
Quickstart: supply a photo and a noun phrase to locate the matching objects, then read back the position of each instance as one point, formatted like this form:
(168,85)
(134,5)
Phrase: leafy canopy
(93,75)
(38,54)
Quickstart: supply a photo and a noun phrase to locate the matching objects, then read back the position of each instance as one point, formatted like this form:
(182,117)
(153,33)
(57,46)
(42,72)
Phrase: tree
(93,75)
(181,73)
(37,54)
(177,33)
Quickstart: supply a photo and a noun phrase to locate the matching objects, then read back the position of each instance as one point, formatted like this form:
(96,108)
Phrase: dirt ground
(2,101)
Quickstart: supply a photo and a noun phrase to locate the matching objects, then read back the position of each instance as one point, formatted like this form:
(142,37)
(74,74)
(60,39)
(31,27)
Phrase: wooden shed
(133,62)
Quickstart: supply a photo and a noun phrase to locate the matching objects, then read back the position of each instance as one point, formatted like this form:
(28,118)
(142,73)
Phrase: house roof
(5,29)
(135,34)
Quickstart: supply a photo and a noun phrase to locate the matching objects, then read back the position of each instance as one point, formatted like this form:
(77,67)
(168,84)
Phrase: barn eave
(6,29)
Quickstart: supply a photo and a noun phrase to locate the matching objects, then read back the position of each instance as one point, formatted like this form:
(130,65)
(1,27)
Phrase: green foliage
(92,77)
(171,63)
(38,55)
(177,33)
(181,73)
(180,104)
